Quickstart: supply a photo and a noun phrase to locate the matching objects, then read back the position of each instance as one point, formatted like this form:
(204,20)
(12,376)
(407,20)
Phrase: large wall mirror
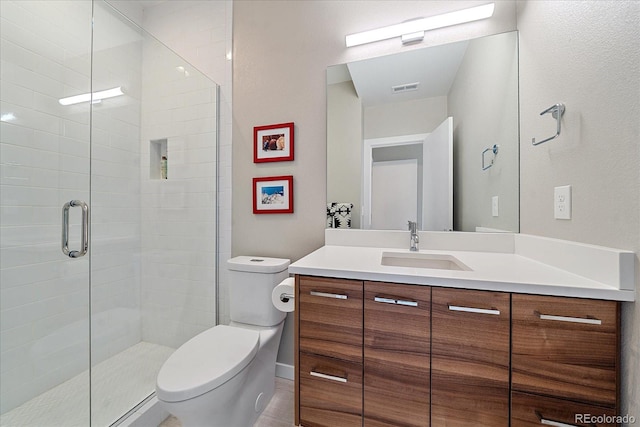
(428,135)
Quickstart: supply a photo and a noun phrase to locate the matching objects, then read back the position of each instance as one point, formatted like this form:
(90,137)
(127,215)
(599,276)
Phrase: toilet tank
(251,281)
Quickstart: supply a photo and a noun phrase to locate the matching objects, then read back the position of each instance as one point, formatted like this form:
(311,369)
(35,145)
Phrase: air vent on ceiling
(405,87)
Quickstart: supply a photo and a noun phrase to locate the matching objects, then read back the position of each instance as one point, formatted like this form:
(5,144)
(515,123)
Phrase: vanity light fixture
(412,31)
(94,98)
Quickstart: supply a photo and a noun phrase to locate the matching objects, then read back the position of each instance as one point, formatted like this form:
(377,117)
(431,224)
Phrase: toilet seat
(206,361)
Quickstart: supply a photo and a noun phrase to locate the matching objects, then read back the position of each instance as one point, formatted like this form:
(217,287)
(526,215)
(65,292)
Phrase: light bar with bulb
(422,24)
(97,96)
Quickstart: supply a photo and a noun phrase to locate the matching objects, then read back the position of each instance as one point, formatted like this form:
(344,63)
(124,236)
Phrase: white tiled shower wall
(45,152)
(201,32)
(179,213)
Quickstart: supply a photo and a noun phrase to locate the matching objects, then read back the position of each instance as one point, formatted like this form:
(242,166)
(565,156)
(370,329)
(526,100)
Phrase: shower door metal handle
(84,239)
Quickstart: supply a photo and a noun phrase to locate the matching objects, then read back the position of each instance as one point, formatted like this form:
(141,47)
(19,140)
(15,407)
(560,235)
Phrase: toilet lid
(206,361)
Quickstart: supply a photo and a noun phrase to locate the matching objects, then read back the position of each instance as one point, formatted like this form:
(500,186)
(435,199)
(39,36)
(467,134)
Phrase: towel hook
(494,150)
(556,111)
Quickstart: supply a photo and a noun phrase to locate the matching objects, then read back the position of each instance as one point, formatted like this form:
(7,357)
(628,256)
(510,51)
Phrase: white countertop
(506,271)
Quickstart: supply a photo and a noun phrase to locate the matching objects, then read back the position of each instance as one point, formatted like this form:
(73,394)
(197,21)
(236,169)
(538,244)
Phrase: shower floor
(118,384)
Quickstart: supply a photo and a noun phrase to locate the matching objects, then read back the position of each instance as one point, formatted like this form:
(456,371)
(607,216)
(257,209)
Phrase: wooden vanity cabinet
(329,361)
(565,350)
(384,354)
(396,355)
(470,357)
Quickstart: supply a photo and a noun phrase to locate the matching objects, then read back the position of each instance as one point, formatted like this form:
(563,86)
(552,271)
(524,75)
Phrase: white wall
(404,118)
(344,126)
(281,51)
(483,102)
(293,88)
(585,54)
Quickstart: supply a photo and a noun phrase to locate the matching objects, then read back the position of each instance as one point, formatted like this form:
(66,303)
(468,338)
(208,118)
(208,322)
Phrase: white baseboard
(284,371)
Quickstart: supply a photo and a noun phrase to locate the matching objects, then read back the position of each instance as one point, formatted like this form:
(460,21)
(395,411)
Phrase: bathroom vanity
(474,329)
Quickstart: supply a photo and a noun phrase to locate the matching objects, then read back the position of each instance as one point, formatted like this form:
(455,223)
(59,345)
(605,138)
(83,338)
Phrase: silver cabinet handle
(555,423)
(84,239)
(492,311)
(327,295)
(547,422)
(395,301)
(328,377)
(588,320)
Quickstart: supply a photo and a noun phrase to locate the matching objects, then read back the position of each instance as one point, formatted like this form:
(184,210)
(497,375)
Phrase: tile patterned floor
(118,384)
(279,412)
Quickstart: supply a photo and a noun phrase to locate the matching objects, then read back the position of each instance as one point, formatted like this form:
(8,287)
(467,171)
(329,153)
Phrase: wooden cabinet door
(330,317)
(470,358)
(567,348)
(396,354)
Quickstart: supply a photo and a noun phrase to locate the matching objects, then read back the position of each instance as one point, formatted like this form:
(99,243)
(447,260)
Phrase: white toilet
(225,376)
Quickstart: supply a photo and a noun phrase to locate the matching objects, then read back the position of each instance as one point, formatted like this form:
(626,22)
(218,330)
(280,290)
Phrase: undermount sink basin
(422,260)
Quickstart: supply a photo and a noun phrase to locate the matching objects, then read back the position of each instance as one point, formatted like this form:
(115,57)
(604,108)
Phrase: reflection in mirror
(407,137)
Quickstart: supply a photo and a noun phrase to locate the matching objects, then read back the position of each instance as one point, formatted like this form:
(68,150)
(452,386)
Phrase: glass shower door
(45,166)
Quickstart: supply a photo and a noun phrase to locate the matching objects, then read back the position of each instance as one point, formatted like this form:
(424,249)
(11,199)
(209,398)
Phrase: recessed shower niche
(158,167)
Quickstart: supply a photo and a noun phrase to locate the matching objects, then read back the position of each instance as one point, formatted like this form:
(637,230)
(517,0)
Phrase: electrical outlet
(494,206)
(562,202)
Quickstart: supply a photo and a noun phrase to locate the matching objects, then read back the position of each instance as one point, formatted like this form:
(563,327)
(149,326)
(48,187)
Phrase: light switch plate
(562,202)
(494,206)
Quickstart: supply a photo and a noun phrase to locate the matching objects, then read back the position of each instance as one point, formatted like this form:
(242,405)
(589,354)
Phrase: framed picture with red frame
(273,143)
(273,195)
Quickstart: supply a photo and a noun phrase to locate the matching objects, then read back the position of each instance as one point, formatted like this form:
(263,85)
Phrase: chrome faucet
(414,240)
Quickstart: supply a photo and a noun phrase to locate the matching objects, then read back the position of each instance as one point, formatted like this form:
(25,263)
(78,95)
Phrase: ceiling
(434,68)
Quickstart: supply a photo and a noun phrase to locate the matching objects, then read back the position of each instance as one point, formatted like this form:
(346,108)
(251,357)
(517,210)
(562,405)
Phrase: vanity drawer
(528,410)
(566,347)
(330,392)
(396,318)
(330,317)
